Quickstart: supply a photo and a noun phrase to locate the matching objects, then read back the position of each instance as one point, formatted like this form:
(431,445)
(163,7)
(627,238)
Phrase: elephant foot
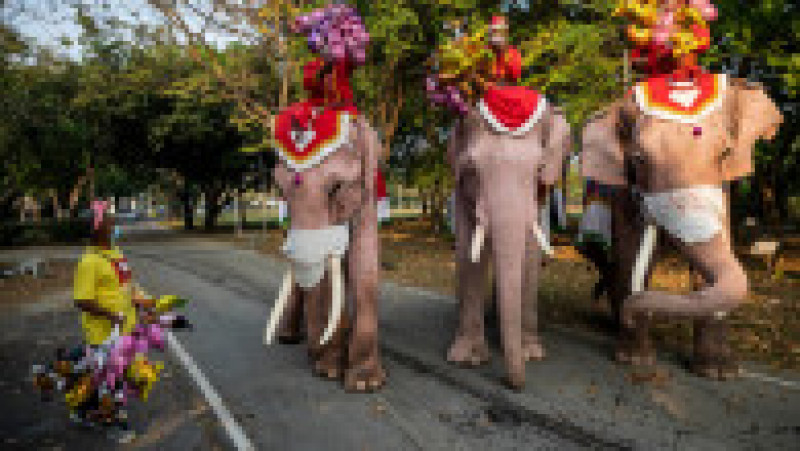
(628,355)
(532,348)
(329,366)
(635,349)
(468,351)
(719,369)
(516,380)
(364,380)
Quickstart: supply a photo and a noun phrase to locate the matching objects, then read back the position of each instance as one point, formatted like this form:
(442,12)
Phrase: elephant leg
(713,356)
(329,362)
(469,346)
(364,369)
(532,348)
(727,285)
(315,315)
(291,328)
(634,345)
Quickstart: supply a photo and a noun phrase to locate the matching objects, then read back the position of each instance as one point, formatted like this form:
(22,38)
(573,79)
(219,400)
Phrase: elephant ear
(370,153)
(602,157)
(753,116)
(557,145)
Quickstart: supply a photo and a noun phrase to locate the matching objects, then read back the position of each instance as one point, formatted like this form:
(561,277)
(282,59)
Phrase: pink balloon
(156,336)
(141,346)
(126,344)
(360,57)
(317,15)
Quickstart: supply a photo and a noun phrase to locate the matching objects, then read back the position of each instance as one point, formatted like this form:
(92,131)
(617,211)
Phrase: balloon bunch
(462,68)
(116,369)
(675,27)
(335,32)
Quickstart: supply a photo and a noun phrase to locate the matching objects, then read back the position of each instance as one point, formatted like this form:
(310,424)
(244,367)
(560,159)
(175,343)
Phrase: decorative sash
(656,97)
(511,109)
(316,138)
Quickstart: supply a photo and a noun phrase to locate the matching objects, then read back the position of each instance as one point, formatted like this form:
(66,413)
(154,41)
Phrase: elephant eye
(334,189)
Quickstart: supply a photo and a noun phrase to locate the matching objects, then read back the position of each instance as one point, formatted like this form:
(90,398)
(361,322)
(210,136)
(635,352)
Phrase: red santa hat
(498,23)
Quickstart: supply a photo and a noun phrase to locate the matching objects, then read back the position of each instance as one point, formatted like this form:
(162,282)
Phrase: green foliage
(129,109)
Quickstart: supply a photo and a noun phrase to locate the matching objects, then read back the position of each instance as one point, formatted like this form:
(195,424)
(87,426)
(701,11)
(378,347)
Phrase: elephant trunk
(507,229)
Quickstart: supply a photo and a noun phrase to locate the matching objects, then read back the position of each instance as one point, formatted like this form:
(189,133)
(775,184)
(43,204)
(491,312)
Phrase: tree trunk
(242,209)
(213,208)
(188,210)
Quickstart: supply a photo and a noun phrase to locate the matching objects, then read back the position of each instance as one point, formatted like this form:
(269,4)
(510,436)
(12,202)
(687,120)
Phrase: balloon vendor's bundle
(336,32)
(461,68)
(667,29)
(98,380)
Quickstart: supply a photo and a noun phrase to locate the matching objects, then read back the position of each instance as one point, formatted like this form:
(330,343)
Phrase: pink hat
(99,208)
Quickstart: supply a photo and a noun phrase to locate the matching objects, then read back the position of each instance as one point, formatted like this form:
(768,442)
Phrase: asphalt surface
(175,416)
(575,399)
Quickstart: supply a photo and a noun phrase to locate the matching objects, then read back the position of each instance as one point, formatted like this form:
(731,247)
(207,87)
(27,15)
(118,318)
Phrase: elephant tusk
(477,243)
(337,301)
(280,306)
(543,243)
(643,258)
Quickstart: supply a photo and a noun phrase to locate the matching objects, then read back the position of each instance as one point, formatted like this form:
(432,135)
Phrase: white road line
(235,432)
(765,378)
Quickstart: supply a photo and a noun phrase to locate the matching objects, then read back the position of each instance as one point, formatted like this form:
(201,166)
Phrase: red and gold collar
(318,137)
(657,97)
(511,109)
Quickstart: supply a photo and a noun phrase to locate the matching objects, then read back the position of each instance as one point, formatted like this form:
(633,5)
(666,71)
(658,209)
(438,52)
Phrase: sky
(48,21)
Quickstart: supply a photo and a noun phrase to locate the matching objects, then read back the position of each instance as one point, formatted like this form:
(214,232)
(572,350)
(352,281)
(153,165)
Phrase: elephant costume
(670,146)
(497,172)
(326,174)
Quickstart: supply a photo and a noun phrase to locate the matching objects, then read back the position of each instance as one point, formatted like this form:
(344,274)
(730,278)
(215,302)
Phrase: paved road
(575,399)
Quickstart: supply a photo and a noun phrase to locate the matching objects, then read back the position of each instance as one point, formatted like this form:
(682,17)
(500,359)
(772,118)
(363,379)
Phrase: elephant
(332,202)
(497,173)
(668,167)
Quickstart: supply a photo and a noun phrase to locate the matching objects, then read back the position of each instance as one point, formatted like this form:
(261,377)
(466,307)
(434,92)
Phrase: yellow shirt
(96,280)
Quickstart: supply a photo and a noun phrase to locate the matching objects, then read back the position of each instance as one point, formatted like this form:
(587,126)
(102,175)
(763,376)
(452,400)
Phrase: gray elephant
(327,175)
(497,177)
(669,148)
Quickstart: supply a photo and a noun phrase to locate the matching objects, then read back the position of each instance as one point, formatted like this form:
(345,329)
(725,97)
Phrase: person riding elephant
(669,146)
(500,152)
(327,174)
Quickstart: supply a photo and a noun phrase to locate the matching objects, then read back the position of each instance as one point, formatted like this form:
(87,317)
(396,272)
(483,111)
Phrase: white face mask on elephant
(692,215)
(308,252)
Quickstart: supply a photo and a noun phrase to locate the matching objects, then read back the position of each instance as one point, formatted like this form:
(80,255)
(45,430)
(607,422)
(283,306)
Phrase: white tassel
(643,258)
(277,310)
(337,299)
